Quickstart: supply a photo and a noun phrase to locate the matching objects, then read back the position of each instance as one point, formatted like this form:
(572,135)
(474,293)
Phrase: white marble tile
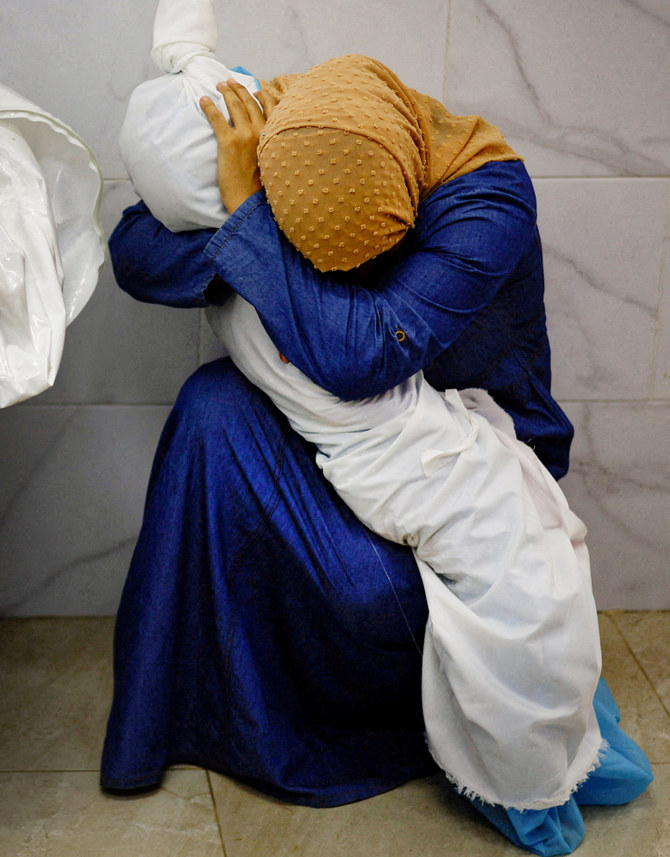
(82,62)
(71,498)
(619,484)
(271,38)
(119,350)
(603,248)
(662,365)
(578,88)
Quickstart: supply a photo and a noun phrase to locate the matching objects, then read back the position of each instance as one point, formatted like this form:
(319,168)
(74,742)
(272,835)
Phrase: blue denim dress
(264,632)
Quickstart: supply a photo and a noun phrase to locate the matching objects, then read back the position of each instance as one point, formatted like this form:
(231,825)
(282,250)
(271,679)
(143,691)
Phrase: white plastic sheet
(52,246)
(166,141)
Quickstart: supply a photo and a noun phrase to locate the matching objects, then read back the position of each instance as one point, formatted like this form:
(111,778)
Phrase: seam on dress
(395,594)
(238,226)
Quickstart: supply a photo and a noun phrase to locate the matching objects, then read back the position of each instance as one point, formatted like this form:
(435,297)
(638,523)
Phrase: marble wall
(579,88)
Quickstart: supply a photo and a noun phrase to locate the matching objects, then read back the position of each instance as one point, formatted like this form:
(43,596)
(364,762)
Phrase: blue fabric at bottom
(548,832)
(263,632)
(623,774)
(625,771)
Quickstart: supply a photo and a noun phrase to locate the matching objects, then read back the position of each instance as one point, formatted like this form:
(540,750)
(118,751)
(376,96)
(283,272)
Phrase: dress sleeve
(155,265)
(356,338)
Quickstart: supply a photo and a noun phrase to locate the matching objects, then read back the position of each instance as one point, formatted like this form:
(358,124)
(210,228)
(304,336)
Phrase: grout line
(95,770)
(49,771)
(648,400)
(611,614)
(34,405)
(216,811)
(535,177)
(60,616)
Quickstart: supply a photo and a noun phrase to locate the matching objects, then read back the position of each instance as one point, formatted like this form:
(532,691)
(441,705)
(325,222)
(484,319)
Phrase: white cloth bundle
(52,246)
(167,143)
(512,651)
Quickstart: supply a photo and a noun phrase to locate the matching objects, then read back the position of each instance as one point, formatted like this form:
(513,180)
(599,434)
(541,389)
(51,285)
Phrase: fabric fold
(52,246)
(183,30)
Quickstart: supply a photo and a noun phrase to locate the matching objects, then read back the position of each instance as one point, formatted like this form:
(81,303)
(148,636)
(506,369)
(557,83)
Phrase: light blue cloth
(624,774)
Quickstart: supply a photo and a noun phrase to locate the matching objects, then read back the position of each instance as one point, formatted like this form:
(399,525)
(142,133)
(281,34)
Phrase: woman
(263,631)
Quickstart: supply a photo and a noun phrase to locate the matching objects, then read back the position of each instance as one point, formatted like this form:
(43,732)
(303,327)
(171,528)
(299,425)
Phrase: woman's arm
(356,340)
(468,240)
(157,266)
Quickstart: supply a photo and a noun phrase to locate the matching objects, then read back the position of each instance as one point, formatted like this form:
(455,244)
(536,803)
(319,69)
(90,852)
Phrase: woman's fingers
(267,101)
(237,163)
(216,118)
(244,109)
(236,108)
(247,112)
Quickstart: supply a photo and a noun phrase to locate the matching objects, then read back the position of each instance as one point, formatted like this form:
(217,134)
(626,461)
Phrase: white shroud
(511,651)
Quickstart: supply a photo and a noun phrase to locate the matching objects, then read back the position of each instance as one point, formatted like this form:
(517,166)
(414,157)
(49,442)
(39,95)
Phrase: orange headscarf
(349,152)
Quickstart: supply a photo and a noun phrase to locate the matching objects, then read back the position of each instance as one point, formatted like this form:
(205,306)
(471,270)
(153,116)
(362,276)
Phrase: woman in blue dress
(263,631)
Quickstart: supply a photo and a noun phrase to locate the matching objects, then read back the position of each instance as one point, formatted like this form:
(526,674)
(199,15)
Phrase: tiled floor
(55,684)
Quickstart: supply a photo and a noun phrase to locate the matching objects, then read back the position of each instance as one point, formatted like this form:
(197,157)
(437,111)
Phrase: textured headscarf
(349,152)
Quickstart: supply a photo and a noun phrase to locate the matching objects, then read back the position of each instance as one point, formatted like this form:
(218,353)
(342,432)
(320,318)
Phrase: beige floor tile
(56,680)
(643,716)
(420,819)
(65,815)
(55,677)
(648,635)
(641,829)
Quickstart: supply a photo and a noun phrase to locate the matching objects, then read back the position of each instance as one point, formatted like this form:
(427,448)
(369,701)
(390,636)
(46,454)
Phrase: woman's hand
(238,174)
